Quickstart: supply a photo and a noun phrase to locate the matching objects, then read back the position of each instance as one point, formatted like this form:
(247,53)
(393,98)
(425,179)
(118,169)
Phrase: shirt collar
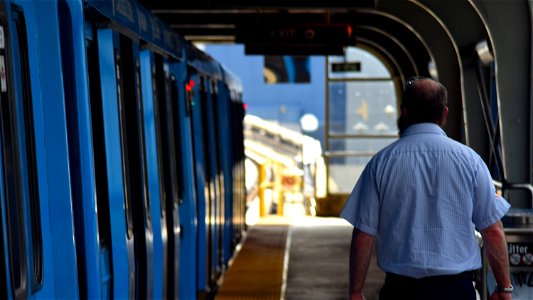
(424,128)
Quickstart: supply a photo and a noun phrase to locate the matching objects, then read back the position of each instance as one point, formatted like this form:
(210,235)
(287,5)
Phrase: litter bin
(518,226)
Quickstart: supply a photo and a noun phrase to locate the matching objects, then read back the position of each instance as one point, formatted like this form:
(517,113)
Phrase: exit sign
(299,34)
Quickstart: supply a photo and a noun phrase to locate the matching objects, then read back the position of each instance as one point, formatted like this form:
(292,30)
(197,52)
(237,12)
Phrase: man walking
(419,201)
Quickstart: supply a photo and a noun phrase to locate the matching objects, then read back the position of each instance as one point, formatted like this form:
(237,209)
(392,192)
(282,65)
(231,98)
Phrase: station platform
(298,257)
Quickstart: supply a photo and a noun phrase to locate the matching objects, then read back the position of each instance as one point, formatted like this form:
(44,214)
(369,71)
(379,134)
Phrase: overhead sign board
(270,49)
(299,34)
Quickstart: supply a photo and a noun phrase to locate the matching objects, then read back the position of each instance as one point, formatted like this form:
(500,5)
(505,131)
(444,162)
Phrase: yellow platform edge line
(259,267)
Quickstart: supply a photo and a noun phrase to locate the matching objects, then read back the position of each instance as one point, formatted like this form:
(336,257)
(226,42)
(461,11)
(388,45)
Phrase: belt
(463,275)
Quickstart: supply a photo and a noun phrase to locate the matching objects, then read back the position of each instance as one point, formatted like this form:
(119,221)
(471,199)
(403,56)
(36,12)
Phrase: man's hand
(360,253)
(359,297)
(501,296)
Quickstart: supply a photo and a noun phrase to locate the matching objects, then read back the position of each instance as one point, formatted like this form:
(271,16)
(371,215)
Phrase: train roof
(133,19)
(231,79)
(203,62)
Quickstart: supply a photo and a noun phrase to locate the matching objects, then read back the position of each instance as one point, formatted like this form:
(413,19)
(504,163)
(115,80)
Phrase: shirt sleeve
(489,207)
(362,207)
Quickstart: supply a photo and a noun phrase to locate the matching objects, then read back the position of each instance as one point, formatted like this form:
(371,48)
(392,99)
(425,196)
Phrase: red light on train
(245,106)
(189,86)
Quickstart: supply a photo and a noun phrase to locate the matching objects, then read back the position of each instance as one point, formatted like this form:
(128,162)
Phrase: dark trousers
(446,287)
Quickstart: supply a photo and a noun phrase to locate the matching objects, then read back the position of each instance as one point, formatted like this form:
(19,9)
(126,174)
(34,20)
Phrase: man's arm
(496,250)
(360,254)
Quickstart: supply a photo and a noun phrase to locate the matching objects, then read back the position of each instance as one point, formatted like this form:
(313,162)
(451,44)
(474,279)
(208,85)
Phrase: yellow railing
(283,159)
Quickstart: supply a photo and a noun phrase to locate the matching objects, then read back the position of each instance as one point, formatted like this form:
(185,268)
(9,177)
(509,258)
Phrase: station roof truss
(456,42)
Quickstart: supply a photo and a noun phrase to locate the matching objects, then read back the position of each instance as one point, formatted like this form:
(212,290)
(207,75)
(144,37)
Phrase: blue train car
(116,181)
(214,101)
(203,75)
(231,110)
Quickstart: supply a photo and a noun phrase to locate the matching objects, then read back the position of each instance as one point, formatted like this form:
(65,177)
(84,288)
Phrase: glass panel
(165,145)
(343,173)
(362,115)
(362,107)
(348,158)
(358,145)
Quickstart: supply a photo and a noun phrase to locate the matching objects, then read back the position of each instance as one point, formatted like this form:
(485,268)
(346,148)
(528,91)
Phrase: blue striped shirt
(422,197)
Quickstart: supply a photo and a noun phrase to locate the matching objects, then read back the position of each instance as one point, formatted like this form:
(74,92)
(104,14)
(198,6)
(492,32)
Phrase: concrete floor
(318,261)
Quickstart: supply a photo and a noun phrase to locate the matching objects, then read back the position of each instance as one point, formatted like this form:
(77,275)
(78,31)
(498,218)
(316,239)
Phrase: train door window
(168,161)
(205,126)
(361,115)
(29,163)
(219,180)
(124,143)
(209,210)
(98,136)
(172,110)
(11,163)
(168,124)
(164,146)
(189,112)
(133,152)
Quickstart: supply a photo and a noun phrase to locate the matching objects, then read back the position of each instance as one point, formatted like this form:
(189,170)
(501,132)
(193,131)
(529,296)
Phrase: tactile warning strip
(257,271)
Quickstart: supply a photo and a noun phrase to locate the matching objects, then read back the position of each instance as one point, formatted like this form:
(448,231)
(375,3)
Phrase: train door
(213,151)
(114,187)
(225,152)
(16,234)
(210,170)
(131,118)
(190,227)
(236,114)
(201,177)
(35,219)
(90,201)
(154,179)
(170,159)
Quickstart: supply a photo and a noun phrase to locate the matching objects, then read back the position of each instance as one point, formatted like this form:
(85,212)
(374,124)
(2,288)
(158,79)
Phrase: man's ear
(445,112)
(444,115)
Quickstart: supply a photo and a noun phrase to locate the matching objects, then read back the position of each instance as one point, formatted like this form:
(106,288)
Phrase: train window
(20,40)
(141,143)
(124,142)
(177,135)
(167,161)
(98,135)
(164,146)
(11,170)
(133,152)
(204,90)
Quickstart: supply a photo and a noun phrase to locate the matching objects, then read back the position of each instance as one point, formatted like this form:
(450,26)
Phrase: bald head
(424,101)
